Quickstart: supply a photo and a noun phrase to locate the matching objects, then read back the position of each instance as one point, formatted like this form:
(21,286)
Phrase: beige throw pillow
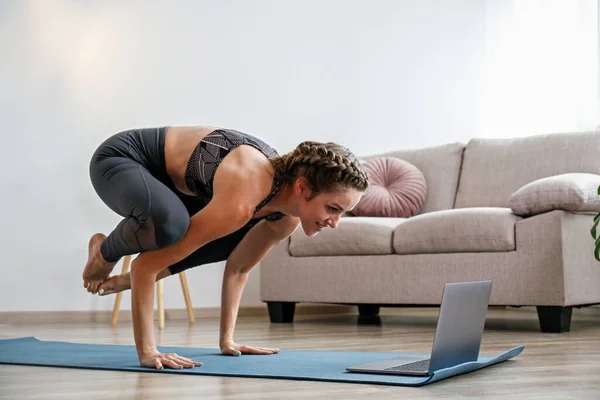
(571,192)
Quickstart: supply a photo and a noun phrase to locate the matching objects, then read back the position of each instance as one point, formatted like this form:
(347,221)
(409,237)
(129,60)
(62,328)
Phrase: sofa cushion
(352,236)
(397,189)
(481,229)
(493,169)
(441,167)
(570,192)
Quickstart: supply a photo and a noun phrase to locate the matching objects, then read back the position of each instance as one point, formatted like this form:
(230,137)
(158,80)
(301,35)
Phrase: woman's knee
(171,225)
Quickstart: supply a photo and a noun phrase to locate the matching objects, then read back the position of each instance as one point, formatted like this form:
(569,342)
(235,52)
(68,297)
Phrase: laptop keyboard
(416,366)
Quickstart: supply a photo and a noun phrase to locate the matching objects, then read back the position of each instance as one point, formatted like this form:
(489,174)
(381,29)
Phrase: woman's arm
(219,218)
(142,308)
(142,305)
(231,207)
(251,249)
(236,195)
(226,213)
(146,267)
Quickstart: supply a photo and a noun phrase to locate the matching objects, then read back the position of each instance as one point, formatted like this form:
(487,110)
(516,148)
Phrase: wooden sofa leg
(554,319)
(281,311)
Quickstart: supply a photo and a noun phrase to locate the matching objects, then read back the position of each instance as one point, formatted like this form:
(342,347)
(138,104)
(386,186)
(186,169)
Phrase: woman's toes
(110,286)
(93,287)
(105,289)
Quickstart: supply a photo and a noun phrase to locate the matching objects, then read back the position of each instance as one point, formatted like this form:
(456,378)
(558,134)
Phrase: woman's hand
(233,349)
(155,359)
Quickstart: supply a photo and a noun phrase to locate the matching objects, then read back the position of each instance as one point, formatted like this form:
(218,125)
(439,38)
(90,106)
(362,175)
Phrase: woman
(195,195)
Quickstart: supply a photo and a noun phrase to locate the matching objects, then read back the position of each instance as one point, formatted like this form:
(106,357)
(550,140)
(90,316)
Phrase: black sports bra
(206,157)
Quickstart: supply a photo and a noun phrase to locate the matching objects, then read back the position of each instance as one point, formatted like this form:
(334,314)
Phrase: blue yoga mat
(309,365)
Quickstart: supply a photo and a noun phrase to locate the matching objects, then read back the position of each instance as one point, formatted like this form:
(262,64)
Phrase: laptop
(457,339)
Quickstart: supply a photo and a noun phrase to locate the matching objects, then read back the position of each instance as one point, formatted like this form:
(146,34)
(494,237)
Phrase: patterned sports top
(206,157)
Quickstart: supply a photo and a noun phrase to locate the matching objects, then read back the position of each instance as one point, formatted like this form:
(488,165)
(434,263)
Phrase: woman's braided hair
(327,167)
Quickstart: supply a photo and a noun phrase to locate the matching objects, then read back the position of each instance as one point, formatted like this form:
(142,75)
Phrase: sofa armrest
(569,192)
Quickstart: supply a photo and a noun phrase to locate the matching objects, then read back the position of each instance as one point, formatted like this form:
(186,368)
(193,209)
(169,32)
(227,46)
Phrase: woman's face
(325,209)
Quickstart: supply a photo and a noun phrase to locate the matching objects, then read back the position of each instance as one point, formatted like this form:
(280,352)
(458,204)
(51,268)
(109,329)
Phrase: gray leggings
(128,173)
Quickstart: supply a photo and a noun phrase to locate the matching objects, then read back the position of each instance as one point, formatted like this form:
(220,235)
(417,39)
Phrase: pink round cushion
(396,189)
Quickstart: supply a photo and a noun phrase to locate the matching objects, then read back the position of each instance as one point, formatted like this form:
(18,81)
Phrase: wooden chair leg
(115,313)
(186,296)
(161,304)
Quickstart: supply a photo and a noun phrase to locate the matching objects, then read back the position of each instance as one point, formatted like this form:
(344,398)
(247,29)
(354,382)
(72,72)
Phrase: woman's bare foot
(97,269)
(118,283)
(115,284)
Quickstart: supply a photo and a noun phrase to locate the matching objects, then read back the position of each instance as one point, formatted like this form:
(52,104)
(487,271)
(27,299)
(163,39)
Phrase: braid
(327,167)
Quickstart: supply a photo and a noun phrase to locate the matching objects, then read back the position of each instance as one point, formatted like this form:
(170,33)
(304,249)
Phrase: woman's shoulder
(245,172)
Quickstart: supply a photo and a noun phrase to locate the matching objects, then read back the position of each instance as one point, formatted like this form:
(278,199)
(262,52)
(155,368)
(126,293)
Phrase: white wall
(373,75)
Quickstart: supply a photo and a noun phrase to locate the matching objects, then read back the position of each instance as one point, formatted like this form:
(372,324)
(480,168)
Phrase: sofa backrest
(441,167)
(493,169)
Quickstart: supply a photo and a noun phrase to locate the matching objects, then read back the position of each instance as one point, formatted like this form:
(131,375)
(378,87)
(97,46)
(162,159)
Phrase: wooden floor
(558,366)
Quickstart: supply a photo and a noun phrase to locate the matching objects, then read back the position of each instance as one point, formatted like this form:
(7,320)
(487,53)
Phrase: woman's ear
(302,188)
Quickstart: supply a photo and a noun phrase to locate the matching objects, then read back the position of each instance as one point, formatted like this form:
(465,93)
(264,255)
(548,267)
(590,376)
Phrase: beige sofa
(465,231)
